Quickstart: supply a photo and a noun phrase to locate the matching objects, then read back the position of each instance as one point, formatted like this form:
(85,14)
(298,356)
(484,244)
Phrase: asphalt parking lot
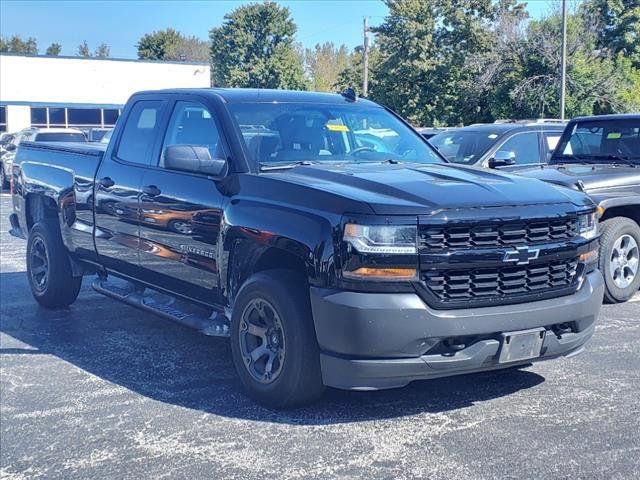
(102,390)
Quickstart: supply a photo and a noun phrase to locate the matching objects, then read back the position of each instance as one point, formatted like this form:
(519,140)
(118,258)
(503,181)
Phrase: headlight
(384,239)
(588,225)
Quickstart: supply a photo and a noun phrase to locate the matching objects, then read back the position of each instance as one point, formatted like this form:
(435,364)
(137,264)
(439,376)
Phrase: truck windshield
(464,146)
(290,133)
(600,141)
(60,137)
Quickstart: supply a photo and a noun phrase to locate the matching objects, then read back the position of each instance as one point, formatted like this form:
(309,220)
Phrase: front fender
(617,200)
(252,229)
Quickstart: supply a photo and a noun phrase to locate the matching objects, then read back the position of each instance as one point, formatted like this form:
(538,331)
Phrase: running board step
(166,306)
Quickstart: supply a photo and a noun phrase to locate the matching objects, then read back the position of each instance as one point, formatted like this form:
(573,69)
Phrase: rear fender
(57,188)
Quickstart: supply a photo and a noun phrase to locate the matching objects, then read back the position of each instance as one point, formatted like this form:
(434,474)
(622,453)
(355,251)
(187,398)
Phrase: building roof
(107,59)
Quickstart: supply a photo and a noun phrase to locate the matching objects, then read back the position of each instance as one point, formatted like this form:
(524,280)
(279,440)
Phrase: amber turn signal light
(382,273)
(589,257)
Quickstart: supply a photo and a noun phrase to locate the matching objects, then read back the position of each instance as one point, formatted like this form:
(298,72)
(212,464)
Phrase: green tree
(54,50)
(353,73)
(16,44)
(156,45)
(102,51)
(170,44)
(618,25)
(324,63)
(428,53)
(598,81)
(255,47)
(83,49)
(188,49)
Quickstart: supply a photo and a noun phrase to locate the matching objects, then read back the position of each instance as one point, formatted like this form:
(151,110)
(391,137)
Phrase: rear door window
(139,134)
(550,143)
(525,146)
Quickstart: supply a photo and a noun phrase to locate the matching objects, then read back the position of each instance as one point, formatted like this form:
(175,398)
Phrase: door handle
(151,191)
(106,182)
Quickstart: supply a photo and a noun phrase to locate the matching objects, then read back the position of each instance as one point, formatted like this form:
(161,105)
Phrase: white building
(82,92)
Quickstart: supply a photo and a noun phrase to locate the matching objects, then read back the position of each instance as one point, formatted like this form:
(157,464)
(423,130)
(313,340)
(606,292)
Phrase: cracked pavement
(102,390)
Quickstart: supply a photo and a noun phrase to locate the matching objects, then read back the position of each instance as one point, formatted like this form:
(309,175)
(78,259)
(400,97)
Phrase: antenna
(350,94)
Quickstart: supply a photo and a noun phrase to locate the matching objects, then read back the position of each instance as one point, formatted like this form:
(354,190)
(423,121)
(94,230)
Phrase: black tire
(612,230)
(299,380)
(58,288)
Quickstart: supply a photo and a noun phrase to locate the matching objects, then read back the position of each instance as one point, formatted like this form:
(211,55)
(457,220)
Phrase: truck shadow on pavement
(169,363)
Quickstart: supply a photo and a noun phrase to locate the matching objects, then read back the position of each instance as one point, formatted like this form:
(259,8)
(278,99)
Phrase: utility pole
(563,75)
(365,53)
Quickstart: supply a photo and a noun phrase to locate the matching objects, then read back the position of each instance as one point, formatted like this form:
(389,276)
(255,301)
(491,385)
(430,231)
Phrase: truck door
(118,183)
(180,211)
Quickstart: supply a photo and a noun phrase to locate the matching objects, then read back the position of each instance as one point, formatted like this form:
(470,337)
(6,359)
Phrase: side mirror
(193,158)
(11,147)
(502,158)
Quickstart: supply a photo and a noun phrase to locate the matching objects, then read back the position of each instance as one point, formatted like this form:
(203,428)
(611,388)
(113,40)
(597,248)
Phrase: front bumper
(382,340)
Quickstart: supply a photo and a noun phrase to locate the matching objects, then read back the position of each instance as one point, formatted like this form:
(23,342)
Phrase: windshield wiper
(560,159)
(281,166)
(621,159)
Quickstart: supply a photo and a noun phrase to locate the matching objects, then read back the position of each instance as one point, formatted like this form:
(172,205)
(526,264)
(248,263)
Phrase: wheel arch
(631,211)
(39,207)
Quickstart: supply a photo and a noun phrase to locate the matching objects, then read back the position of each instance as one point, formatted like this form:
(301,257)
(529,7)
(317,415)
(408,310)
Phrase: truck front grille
(500,284)
(496,234)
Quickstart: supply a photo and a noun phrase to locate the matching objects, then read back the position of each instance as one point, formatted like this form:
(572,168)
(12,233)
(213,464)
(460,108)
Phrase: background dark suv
(500,144)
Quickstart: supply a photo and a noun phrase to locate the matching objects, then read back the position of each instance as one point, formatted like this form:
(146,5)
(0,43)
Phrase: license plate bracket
(521,345)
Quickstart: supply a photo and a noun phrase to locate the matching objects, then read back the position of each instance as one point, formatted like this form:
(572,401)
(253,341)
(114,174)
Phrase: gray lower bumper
(372,341)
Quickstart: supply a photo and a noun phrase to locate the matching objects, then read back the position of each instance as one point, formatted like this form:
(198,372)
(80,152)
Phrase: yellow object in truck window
(337,128)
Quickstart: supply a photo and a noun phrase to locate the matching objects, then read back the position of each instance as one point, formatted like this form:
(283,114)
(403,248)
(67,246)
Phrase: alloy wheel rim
(39,268)
(262,343)
(624,261)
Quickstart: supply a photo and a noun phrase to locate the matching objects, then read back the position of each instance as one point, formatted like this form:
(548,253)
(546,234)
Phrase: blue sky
(121,23)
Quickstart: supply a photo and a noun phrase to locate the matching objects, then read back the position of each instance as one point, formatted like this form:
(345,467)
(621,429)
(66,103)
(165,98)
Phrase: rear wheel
(273,341)
(49,267)
(620,258)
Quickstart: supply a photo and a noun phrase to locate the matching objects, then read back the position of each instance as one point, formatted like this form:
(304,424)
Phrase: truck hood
(409,189)
(590,177)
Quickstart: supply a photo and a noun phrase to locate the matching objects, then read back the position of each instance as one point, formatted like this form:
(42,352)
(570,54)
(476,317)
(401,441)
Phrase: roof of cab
(612,116)
(258,95)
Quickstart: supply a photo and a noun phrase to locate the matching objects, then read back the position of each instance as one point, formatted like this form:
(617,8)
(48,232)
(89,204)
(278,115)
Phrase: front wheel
(620,258)
(180,226)
(49,267)
(273,341)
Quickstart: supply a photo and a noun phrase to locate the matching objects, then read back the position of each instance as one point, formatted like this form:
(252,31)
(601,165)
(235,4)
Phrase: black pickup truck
(600,155)
(321,233)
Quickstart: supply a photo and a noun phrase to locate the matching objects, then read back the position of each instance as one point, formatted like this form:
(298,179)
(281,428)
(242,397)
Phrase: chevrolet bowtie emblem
(521,255)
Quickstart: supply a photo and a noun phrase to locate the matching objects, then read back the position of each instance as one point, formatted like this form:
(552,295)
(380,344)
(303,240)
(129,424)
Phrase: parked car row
(503,144)
(599,155)
(10,142)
